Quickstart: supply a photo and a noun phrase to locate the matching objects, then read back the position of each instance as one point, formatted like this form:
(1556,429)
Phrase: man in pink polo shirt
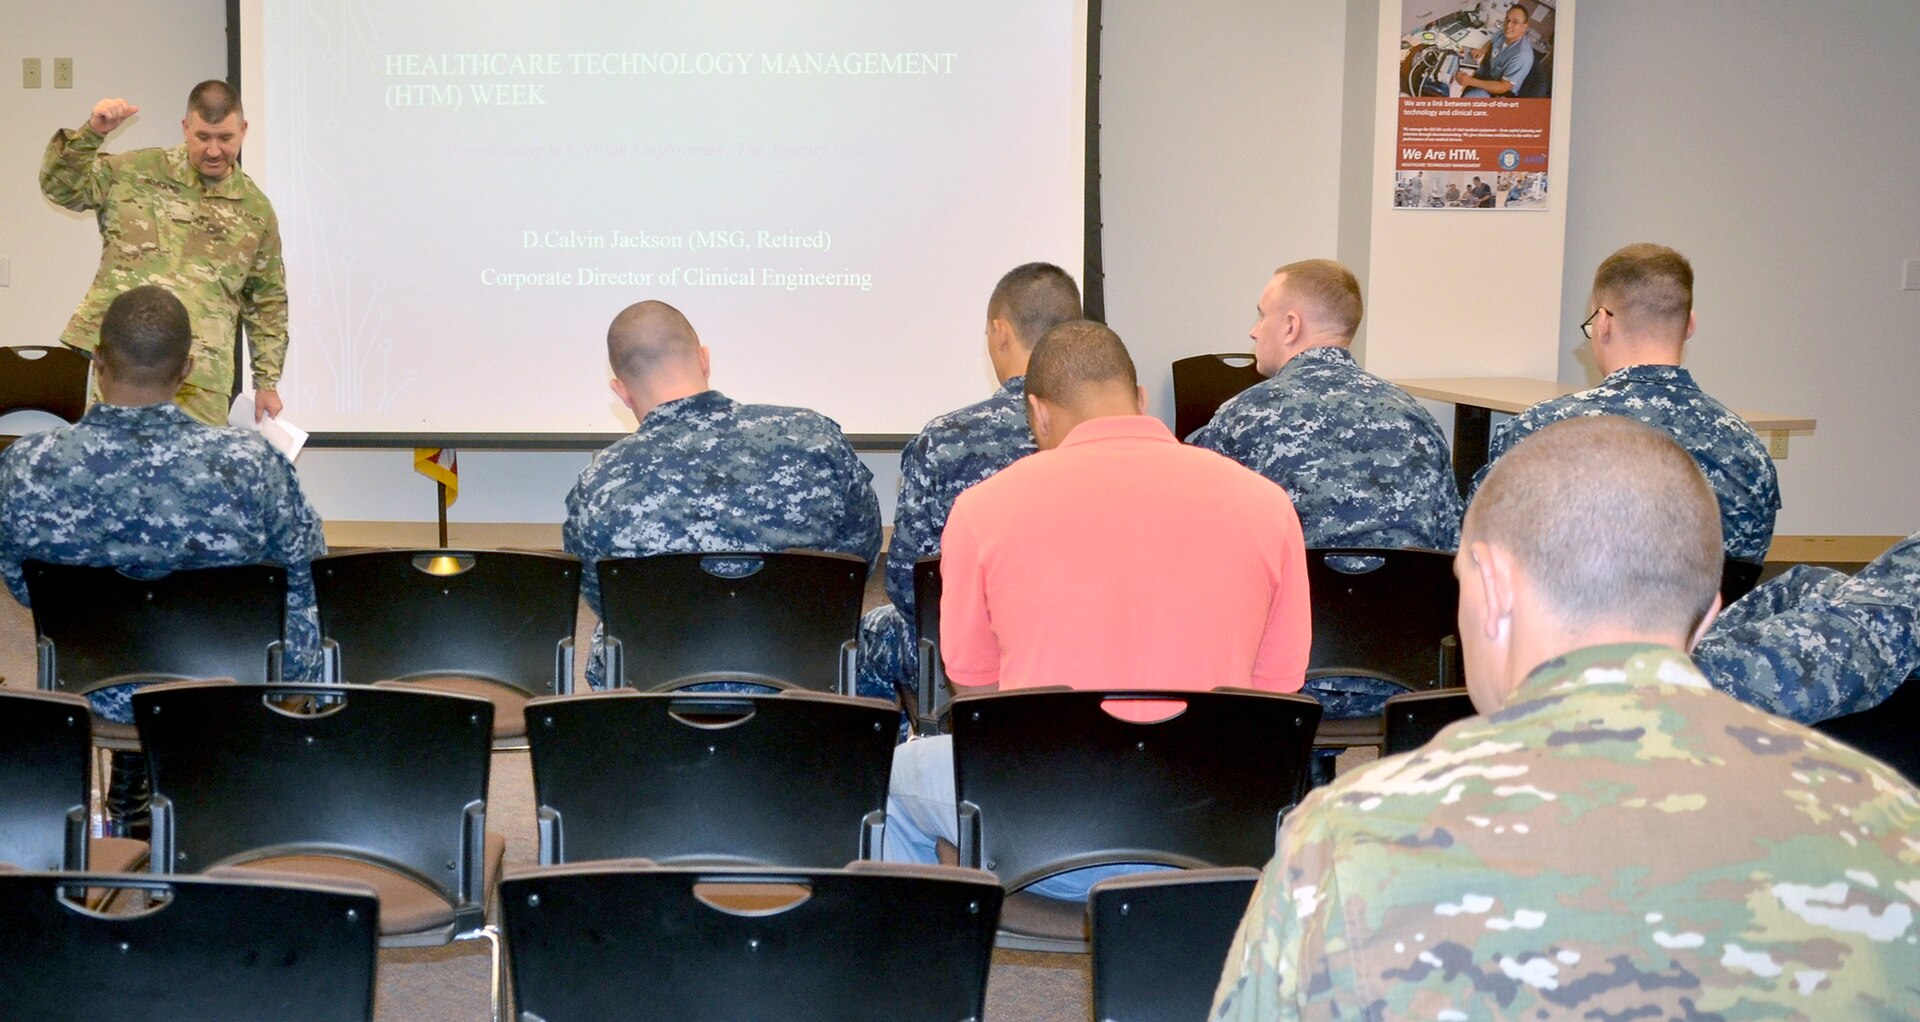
(1114,558)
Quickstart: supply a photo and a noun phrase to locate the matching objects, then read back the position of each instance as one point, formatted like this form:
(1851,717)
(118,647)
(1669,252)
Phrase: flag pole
(442,490)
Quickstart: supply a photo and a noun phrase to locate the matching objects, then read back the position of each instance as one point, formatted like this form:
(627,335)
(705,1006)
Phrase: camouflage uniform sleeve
(912,522)
(10,483)
(294,538)
(1502,437)
(1285,960)
(74,173)
(573,539)
(1212,437)
(263,309)
(863,507)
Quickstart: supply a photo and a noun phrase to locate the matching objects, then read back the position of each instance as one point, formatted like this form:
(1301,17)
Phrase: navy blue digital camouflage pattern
(706,474)
(1728,451)
(953,452)
(1366,466)
(1816,643)
(150,491)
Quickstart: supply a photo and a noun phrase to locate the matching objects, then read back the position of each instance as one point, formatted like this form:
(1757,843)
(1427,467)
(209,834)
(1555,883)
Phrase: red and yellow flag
(442,465)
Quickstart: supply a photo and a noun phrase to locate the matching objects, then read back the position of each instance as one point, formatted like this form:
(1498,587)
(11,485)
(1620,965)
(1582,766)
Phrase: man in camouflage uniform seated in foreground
(704,473)
(138,485)
(953,452)
(1613,839)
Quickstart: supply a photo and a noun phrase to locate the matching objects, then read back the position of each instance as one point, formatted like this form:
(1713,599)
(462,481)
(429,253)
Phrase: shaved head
(1034,298)
(651,338)
(1611,520)
(145,338)
(1326,289)
(1079,364)
(1648,287)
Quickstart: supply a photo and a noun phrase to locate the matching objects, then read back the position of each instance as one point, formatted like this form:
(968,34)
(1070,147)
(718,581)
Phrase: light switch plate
(29,72)
(1910,278)
(63,72)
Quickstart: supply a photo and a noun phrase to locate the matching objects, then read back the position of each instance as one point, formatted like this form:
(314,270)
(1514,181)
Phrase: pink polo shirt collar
(1119,427)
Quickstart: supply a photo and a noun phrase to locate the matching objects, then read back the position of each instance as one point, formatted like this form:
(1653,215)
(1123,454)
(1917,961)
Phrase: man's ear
(1040,418)
(620,392)
(1140,399)
(1706,622)
(186,371)
(706,364)
(1495,568)
(1692,321)
(1000,336)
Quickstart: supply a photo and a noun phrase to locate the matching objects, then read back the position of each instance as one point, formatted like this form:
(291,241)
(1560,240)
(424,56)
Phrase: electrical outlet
(1777,446)
(29,72)
(63,72)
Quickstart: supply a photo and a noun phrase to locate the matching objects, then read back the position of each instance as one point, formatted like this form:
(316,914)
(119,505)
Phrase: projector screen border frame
(1092,291)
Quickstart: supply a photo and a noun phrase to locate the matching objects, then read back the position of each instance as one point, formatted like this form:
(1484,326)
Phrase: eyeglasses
(1586,325)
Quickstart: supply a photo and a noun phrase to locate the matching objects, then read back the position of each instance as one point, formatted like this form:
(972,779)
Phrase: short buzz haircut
(1034,298)
(647,337)
(1327,288)
(1076,357)
(145,337)
(214,100)
(1647,287)
(1612,521)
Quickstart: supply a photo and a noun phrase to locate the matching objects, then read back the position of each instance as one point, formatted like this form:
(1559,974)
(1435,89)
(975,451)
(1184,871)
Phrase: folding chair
(1387,614)
(203,951)
(788,618)
(1161,939)
(1414,718)
(795,779)
(1889,732)
(45,756)
(493,624)
(42,378)
(1202,383)
(934,690)
(872,942)
(98,628)
(1047,781)
(381,786)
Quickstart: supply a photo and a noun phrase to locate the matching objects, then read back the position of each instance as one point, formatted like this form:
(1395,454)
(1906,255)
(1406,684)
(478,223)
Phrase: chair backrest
(46,745)
(504,616)
(926,598)
(208,951)
(1048,780)
(794,779)
(43,378)
(1415,717)
(1889,732)
(1202,383)
(395,775)
(1737,579)
(872,942)
(1160,939)
(97,624)
(1392,620)
(677,615)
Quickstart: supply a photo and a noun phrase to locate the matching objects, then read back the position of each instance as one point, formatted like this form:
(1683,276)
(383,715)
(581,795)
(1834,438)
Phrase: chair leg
(496,986)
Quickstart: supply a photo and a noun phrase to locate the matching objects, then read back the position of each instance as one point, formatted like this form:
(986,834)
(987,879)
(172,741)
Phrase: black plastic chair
(42,378)
(792,617)
(875,941)
(98,628)
(1737,579)
(933,690)
(1048,781)
(205,951)
(1202,383)
(1414,718)
(1387,614)
(46,751)
(796,779)
(1889,732)
(1160,940)
(381,786)
(493,624)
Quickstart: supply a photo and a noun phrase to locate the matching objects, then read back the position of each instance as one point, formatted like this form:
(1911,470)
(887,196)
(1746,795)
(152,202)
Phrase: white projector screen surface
(469,192)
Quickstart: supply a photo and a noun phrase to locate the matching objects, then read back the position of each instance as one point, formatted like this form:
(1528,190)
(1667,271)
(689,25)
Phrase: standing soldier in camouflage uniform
(1613,839)
(1366,466)
(1642,316)
(953,452)
(139,486)
(706,474)
(190,220)
(1815,643)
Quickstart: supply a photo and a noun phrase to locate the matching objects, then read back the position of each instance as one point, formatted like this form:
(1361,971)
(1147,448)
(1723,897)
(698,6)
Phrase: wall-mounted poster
(1476,98)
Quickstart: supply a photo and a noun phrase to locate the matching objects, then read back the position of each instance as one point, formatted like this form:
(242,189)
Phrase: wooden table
(1476,398)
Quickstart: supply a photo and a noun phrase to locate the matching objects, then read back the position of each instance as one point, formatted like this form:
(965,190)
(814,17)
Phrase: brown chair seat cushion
(115,854)
(406,905)
(509,704)
(1038,916)
(1350,733)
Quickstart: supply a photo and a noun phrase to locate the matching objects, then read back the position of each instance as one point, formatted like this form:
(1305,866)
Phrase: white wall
(1774,142)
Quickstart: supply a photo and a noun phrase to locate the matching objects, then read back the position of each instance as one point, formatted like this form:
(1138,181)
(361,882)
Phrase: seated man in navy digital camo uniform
(1642,317)
(1366,466)
(138,485)
(955,451)
(704,473)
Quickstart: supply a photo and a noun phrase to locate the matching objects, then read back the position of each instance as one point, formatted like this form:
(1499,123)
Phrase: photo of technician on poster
(1476,99)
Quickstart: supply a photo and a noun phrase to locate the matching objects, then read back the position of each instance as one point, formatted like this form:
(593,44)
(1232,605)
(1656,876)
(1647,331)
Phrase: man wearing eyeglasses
(1641,319)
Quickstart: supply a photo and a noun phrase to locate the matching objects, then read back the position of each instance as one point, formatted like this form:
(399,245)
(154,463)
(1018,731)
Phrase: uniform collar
(1673,375)
(683,408)
(1015,387)
(1119,427)
(1325,354)
(182,171)
(1623,663)
(121,416)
